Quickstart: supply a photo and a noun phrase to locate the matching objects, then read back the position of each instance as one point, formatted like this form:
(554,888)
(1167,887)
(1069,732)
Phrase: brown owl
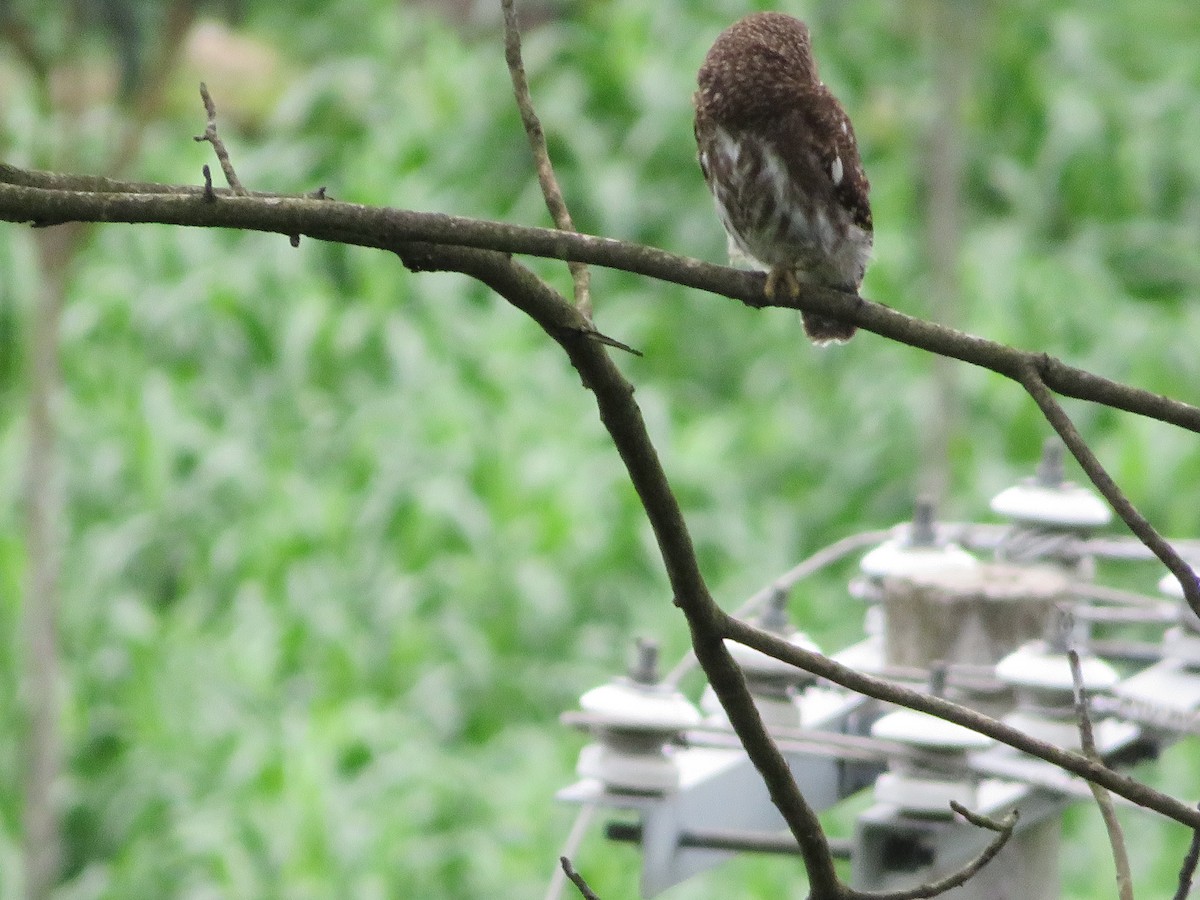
(780,158)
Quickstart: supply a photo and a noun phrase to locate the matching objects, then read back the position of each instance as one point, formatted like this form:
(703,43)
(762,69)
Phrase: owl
(779,155)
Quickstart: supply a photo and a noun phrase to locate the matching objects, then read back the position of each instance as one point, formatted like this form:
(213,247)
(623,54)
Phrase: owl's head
(755,63)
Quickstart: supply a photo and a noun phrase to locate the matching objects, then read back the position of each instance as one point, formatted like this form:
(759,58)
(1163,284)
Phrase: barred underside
(772,219)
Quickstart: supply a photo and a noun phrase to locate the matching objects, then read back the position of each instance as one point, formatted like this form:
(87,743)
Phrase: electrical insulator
(925,781)
(634,720)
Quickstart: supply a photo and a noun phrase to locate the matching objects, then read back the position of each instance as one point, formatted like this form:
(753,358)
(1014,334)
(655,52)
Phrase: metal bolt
(1050,470)
(922,532)
(644,669)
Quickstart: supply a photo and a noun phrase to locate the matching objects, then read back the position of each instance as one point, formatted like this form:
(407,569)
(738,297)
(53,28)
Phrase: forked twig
(1004,830)
(210,135)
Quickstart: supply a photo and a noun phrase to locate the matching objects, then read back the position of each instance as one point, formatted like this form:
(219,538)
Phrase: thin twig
(1188,869)
(979,820)
(576,879)
(1087,742)
(607,341)
(1031,379)
(218,145)
(1004,830)
(541,155)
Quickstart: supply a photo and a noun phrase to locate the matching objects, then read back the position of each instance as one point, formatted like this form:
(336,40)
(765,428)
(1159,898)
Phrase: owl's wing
(831,139)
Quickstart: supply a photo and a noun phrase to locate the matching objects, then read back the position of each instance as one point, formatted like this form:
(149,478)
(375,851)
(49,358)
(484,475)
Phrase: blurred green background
(339,542)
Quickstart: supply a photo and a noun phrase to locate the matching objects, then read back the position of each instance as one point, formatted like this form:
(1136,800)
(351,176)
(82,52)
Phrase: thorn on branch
(210,135)
(318,194)
(576,879)
(601,338)
(210,196)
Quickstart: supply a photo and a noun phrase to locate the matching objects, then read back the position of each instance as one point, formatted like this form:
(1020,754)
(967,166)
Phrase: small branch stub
(576,879)
(210,135)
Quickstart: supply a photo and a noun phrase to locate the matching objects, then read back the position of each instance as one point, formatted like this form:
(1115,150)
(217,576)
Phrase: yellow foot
(781,277)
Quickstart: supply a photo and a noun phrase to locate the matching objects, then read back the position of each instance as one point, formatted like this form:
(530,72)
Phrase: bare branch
(1004,830)
(880,689)
(1188,869)
(1087,741)
(622,419)
(1031,379)
(210,135)
(541,155)
(576,879)
(27,196)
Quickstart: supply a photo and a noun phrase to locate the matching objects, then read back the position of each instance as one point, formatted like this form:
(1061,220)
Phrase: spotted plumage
(780,157)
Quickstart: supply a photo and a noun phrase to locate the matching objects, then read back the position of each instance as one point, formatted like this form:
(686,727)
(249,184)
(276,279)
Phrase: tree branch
(881,689)
(45,199)
(48,198)
(576,879)
(541,156)
(1188,869)
(433,241)
(210,135)
(1031,379)
(623,420)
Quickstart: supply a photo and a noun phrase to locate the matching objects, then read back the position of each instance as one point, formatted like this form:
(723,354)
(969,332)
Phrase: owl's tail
(822,330)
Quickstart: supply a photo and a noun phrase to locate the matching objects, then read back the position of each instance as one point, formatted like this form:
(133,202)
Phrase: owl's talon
(772,284)
(781,277)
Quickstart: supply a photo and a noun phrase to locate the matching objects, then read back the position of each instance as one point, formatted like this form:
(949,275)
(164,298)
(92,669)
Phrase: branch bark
(555,204)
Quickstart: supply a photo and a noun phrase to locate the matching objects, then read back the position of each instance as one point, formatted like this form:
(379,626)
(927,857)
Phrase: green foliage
(341,541)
